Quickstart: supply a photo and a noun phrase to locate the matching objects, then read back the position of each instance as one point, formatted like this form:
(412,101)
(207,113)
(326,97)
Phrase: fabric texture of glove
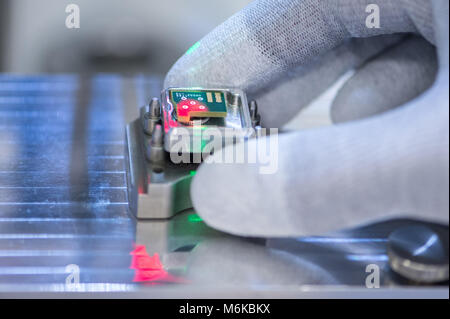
(389,154)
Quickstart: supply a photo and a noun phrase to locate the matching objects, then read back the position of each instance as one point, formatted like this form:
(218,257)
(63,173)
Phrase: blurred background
(114,35)
(126,37)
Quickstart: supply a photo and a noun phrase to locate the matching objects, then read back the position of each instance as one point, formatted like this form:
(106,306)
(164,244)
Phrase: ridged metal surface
(61,204)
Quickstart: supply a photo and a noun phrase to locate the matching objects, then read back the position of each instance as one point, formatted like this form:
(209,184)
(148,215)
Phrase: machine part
(155,149)
(219,109)
(157,187)
(151,115)
(254,115)
(420,253)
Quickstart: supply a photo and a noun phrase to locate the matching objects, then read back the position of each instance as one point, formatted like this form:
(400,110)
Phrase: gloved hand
(388,153)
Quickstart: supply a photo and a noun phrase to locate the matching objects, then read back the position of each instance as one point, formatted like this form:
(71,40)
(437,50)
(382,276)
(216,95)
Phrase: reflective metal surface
(157,189)
(63,202)
(62,184)
(420,253)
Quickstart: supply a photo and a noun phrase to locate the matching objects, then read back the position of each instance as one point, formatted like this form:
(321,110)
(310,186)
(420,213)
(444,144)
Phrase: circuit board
(191,104)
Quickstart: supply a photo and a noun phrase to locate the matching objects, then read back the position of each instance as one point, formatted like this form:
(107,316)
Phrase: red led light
(188,108)
(149,269)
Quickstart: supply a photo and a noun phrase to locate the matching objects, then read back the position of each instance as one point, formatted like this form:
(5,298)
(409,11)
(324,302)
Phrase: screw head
(420,253)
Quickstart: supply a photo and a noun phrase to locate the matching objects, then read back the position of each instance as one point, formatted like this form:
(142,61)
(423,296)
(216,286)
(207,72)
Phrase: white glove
(391,156)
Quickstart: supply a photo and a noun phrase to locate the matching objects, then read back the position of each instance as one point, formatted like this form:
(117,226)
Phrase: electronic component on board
(188,111)
(158,187)
(198,104)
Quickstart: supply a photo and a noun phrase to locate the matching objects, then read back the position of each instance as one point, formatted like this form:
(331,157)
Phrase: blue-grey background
(115,35)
